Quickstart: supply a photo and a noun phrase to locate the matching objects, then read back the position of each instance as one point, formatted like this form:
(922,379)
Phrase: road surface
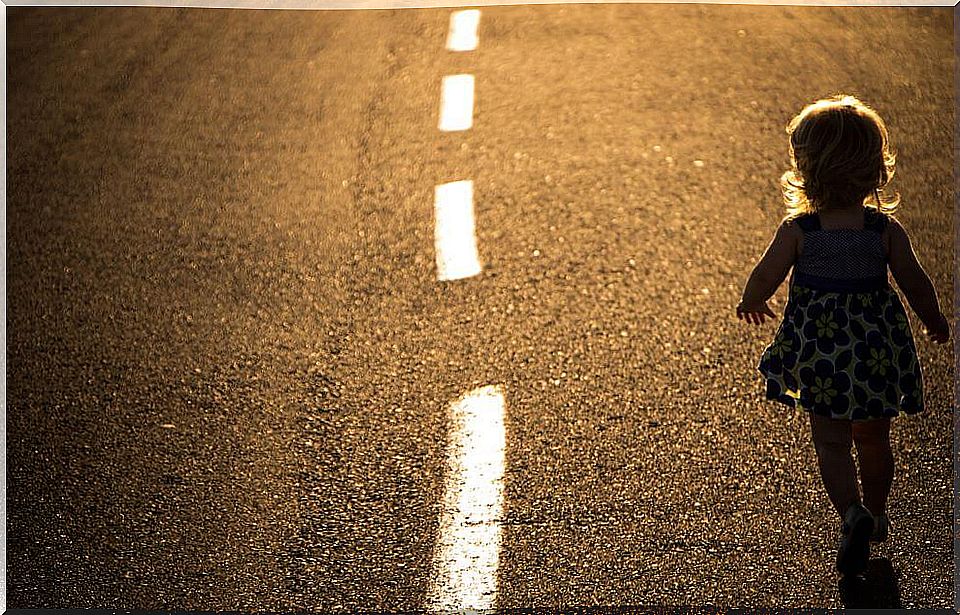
(232,364)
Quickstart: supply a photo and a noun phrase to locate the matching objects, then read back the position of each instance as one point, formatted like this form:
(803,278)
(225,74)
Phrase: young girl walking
(844,351)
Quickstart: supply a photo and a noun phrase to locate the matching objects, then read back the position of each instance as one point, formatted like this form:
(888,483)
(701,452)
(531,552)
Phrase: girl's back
(842,259)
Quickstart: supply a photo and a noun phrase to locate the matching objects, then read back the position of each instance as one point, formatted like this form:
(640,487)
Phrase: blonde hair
(840,154)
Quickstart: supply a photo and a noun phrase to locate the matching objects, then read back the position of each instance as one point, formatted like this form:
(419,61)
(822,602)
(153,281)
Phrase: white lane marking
(456,103)
(463,30)
(468,550)
(454,238)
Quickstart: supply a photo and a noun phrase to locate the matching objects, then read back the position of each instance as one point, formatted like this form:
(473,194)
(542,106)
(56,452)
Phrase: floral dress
(844,348)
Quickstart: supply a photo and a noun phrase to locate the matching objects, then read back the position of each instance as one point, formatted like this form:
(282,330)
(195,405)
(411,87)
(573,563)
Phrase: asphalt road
(230,360)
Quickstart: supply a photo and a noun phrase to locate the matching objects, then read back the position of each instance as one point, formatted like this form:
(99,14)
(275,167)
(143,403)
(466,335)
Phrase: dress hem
(794,402)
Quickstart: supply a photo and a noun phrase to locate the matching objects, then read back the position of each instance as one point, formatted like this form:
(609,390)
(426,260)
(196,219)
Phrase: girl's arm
(915,283)
(769,273)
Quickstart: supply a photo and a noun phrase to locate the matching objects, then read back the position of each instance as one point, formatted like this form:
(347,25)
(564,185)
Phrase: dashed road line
(463,30)
(456,103)
(468,552)
(455,239)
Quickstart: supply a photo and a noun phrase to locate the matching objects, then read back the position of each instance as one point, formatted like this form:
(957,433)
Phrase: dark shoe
(854,552)
(882,528)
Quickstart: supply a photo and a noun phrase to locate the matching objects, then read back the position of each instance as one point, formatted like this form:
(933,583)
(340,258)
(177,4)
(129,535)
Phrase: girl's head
(840,156)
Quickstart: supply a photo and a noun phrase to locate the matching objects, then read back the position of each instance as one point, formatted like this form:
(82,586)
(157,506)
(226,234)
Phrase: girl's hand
(754,313)
(939,333)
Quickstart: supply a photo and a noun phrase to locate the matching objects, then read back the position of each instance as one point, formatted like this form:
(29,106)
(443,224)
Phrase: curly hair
(840,154)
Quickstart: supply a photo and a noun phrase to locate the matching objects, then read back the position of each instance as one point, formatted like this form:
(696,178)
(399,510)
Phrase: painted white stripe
(468,550)
(456,103)
(454,238)
(463,30)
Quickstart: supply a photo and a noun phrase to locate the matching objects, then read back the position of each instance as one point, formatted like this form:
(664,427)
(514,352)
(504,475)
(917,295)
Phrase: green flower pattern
(826,325)
(822,389)
(886,361)
(782,346)
(879,362)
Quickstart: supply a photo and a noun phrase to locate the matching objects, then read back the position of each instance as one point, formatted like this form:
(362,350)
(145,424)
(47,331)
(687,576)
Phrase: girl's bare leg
(876,462)
(832,439)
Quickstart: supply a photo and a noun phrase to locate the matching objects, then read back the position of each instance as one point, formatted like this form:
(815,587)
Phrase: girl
(844,350)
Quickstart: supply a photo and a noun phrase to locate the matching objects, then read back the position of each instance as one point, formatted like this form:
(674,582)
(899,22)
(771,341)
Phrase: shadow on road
(876,588)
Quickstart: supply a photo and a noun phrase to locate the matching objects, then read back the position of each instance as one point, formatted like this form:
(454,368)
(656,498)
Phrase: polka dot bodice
(842,260)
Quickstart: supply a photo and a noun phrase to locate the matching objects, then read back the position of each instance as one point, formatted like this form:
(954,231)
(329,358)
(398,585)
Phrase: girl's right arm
(769,273)
(915,283)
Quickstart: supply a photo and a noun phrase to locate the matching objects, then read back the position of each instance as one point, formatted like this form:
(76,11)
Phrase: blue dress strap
(875,220)
(808,222)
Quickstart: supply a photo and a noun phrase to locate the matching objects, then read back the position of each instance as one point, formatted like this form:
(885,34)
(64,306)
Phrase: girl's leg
(876,462)
(832,439)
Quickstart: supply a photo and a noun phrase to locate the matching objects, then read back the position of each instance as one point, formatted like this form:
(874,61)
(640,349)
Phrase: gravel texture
(230,361)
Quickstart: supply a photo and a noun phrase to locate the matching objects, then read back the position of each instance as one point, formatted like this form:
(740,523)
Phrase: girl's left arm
(769,273)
